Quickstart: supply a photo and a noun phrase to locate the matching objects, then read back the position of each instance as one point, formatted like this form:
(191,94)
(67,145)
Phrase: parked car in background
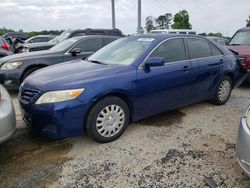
(70,34)
(174,31)
(221,40)
(240,44)
(5,48)
(4,53)
(243,143)
(14,69)
(36,39)
(127,80)
(7,116)
(16,35)
(4,44)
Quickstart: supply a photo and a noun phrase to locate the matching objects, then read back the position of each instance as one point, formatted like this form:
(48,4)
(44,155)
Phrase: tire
(223,91)
(107,119)
(28,72)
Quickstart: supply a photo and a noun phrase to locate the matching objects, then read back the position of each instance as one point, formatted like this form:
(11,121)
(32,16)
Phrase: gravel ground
(183,148)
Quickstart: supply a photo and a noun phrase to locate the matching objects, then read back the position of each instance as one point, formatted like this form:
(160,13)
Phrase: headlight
(248,118)
(11,65)
(59,96)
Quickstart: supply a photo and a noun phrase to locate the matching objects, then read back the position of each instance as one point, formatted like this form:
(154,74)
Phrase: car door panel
(163,88)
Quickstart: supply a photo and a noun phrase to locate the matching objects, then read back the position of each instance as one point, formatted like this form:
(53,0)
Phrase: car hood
(69,75)
(29,55)
(242,50)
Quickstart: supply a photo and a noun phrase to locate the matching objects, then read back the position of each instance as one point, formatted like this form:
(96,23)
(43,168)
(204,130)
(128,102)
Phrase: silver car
(243,143)
(7,116)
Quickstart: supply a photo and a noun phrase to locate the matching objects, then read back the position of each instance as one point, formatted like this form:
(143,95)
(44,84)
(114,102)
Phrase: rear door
(207,62)
(164,87)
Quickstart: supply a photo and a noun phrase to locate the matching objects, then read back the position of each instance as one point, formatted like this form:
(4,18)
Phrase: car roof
(42,36)
(95,36)
(163,36)
(244,29)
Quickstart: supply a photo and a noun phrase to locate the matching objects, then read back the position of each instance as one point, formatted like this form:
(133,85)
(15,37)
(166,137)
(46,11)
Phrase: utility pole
(113,13)
(139,30)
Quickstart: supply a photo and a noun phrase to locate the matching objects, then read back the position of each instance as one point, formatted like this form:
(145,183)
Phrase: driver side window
(89,45)
(171,50)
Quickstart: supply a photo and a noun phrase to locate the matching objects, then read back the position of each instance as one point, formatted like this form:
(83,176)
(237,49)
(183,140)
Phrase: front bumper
(55,121)
(7,117)
(243,146)
(10,78)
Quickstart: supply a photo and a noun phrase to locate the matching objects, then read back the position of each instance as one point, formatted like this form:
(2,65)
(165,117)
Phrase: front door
(165,87)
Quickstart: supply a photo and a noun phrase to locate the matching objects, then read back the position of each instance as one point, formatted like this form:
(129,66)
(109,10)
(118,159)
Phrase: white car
(7,116)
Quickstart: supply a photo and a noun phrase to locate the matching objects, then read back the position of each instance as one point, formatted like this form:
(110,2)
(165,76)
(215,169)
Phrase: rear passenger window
(171,50)
(89,45)
(198,48)
(215,51)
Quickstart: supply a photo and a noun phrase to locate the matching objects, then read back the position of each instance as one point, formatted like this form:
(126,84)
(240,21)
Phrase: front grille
(27,95)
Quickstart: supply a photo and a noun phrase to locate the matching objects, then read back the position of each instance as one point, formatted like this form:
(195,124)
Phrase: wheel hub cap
(110,120)
(224,90)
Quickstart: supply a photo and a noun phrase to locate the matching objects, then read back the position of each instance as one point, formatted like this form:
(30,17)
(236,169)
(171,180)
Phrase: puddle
(28,160)
(165,119)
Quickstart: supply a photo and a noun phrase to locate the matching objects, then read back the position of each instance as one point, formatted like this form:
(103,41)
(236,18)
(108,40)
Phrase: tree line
(180,21)
(32,33)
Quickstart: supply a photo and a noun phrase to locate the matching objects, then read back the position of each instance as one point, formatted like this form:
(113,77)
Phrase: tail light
(6,46)
(244,63)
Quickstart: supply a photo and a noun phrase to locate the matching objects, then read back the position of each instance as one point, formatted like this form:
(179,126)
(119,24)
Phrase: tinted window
(89,45)
(93,32)
(108,40)
(171,50)
(198,48)
(215,51)
(115,33)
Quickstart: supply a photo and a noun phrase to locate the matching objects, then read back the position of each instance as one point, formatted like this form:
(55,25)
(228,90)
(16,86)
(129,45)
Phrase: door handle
(185,68)
(221,61)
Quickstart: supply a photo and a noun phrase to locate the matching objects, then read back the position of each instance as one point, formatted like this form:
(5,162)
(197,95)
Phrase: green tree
(181,20)
(215,34)
(248,22)
(164,21)
(149,22)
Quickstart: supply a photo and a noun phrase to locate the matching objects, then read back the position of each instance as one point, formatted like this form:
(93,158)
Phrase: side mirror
(154,62)
(75,51)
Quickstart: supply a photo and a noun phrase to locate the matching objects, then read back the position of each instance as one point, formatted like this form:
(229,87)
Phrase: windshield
(63,36)
(65,45)
(241,38)
(122,52)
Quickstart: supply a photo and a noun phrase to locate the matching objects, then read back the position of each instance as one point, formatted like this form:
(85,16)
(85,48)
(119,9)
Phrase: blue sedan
(128,80)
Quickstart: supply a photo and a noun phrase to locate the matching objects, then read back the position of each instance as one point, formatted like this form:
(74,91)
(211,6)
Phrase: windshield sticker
(145,39)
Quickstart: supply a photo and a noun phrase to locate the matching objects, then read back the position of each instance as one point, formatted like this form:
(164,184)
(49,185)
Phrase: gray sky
(225,16)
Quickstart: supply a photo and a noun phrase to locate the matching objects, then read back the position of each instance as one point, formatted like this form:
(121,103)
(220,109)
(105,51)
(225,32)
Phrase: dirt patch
(31,158)
(165,119)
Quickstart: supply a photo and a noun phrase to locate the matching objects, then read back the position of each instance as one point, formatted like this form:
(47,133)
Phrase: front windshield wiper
(95,61)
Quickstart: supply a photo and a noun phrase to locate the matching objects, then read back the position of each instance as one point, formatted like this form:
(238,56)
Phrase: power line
(205,16)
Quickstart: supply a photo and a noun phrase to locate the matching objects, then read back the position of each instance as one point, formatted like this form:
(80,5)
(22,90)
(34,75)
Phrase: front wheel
(108,119)
(223,91)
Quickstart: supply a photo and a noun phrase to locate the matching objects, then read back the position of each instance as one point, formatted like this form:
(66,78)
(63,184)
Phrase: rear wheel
(108,119)
(223,91)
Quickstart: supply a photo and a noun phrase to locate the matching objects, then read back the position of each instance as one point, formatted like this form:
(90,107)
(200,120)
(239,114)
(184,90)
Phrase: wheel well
(120,95)
(230,75)
(31,67)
